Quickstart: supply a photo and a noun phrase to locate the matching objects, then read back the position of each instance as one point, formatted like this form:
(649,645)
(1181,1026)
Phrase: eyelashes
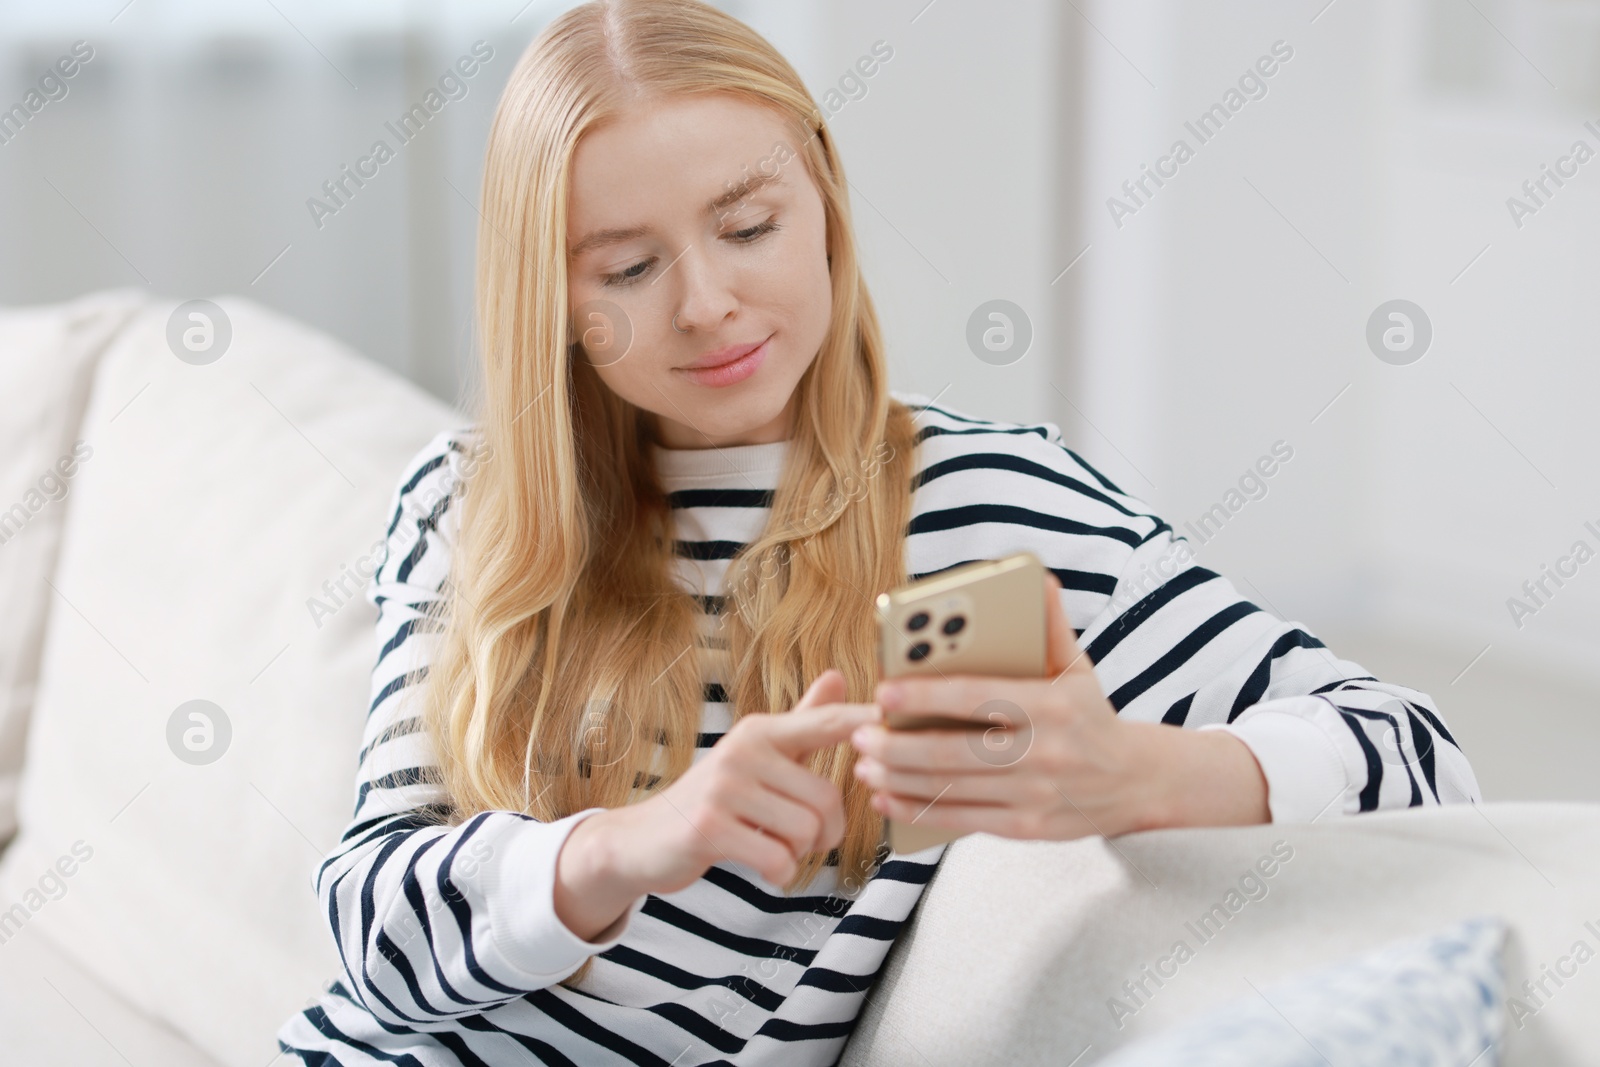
(748,235)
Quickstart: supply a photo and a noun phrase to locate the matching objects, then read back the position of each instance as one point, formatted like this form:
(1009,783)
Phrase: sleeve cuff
(1305,772)
(516,890)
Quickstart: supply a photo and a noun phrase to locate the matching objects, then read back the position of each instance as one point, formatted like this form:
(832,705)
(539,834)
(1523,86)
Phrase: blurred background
(1192,309)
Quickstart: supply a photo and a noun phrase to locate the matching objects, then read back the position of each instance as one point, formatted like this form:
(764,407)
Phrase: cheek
(797,291)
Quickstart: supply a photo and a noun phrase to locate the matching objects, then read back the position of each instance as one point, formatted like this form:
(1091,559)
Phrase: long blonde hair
(561,661)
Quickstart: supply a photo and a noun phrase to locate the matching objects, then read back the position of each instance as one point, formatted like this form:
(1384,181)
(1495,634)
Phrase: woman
(575,841)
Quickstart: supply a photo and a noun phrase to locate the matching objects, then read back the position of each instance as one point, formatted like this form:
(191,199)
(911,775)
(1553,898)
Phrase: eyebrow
(600,238)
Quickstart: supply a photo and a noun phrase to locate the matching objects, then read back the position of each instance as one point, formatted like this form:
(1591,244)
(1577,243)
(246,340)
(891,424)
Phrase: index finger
(803,730)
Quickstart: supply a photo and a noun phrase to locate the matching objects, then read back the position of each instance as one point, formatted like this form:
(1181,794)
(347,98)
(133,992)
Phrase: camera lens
(954,623)
(917,621)
(919,651)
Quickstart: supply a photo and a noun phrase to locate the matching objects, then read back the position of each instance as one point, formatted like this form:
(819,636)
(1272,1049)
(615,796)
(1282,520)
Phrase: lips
(723,356)
(731,373)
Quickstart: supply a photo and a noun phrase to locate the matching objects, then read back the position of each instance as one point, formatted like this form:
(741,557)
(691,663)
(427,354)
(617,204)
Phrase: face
(644,241)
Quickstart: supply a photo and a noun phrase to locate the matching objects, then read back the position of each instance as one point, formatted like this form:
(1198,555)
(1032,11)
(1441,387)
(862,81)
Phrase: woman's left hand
(1058,763)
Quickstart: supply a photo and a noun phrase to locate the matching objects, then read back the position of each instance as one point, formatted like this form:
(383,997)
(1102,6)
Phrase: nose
(704,289)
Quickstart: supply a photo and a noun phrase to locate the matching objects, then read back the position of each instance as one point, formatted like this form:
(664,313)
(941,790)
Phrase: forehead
(666,158)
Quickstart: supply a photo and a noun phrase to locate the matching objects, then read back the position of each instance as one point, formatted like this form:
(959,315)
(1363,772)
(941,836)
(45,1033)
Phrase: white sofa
(155,910)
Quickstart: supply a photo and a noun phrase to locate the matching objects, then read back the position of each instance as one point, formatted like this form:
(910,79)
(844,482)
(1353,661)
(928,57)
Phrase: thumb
(1062,643)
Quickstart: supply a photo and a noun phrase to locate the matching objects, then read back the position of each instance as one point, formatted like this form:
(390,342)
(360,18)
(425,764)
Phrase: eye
(629,276)
(754,233)
(745,236)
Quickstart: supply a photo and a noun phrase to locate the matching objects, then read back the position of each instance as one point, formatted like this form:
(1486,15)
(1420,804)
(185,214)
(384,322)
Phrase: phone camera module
(954,624)
(918,652)
(917,621)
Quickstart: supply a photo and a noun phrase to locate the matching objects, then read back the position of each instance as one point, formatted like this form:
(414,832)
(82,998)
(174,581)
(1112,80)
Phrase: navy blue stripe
(1181,653)
(1423,740)
(634,960)
(1369,792)
(369,908)
(789,1030)
(396,684)
(720,498)
(1340,684)
(1089,581)
(412,888)
(457,903)
(693,1023)
(1433,720)
(403,728)
(413,819)
(547,1053)
(319,1019)
(965,515)
(398,780)
(837,981)
(657,908)
(942,431)
(1256,685)
(424,527)
(1144,607)
(705,550)
(422,472)
(908,872)
(424,623)
(567,1015)
(1394,725)
(998,461)
(729,882)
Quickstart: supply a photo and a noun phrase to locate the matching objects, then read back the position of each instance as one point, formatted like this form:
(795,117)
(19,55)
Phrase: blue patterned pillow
(1430,1001)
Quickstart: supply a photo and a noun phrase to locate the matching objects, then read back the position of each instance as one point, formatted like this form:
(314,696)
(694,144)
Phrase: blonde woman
(622,791)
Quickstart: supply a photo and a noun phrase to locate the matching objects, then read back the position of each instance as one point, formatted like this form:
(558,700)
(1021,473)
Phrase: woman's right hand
(749,800)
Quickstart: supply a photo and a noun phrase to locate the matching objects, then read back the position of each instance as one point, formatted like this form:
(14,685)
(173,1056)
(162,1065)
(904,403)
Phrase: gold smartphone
(985,617)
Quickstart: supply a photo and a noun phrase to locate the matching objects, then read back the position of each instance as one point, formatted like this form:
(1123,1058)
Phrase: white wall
(1231,309)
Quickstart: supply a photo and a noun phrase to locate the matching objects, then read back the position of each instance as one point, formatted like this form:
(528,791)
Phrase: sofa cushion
(212,554)
(1030,952)
(48,357)
(55,1013)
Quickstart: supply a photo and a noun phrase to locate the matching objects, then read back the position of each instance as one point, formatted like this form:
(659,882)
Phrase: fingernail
(861,734)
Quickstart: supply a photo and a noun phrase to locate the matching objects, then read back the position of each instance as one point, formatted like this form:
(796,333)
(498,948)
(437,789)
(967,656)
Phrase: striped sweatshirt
(450,945)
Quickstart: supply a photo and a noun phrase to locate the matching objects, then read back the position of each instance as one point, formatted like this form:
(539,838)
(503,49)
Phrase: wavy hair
(560,666)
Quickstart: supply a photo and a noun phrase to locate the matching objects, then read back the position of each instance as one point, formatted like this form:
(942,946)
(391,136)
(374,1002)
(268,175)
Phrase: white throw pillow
(48,356)
(1425,1002)
(220,500)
